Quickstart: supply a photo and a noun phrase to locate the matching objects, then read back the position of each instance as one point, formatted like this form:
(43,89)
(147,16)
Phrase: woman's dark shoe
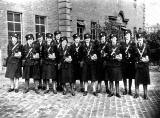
(55,91)
(10,90)
(108,91)
(16,90)
(36,91)
(46,91)
(110,95)
(82,90)
(85,93)
(118,95)
(145,97)
(73,94)
(136,95)
(130,92)
(98,91)
(26,91)
(95,93)
(64,92)
(125,92)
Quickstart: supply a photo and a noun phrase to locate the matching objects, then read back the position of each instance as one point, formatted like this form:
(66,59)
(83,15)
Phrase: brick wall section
(96,10)
(28,9)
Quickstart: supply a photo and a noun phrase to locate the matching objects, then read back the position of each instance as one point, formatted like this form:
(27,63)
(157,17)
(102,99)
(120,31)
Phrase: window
(93,30)
(14,24)
(40,24)
(80,28)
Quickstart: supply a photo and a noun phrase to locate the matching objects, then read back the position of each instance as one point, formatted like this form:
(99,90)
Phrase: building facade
(68,16)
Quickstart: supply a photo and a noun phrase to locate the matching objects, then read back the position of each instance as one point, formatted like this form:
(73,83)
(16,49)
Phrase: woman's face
(114,40)
(103,39)
(14,40)
(140,40)
(64,43)
(77,39)
(30,41)
(128,38)
(87,40)
(58,36)
(40,39)
(48,40)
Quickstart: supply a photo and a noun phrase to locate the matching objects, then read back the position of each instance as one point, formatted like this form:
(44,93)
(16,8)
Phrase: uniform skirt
(128,70)
(115,73)
(77,71)
(31,71)
(142,73)
(100,71)
(49,71)
(66,73)
(89,72)
(13,69)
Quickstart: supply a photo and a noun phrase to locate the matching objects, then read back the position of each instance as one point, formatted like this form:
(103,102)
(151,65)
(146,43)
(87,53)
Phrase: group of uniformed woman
(53,60)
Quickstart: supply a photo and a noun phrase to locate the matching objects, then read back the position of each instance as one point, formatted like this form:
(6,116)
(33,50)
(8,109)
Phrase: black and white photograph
(79,58)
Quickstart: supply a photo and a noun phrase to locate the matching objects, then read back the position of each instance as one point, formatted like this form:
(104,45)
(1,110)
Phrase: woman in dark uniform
(128,61)
(31,63)
(49,62)
(14,71)
(142,66)
(57,35)
(40,42)
(102,69)
(76,49)
(115,65)
(89,64)
(65,66)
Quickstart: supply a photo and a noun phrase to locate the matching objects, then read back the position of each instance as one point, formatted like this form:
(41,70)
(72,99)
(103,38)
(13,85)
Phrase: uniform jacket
(11,52)
(49,49)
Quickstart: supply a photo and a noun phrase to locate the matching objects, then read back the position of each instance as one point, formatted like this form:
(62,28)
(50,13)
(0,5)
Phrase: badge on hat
(14,35)
(57,32)
(102,34)
(75,36)
(87,35)
(140,35)
(63,39)
(127,32)
(112,36)
(39,35)
(49,35)
(29,36)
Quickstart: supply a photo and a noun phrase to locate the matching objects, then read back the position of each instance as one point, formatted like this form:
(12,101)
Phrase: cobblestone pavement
(31,105)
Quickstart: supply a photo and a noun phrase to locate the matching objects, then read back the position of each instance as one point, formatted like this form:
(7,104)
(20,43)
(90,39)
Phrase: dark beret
(57,32)
(38,35)
(14,35)
(102,34)
(63,38)
(75,36)
(29,36)
(87,35)
(49,35)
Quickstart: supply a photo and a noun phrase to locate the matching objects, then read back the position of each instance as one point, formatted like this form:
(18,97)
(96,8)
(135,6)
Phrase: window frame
(14,22)
(40,24)
(80,29)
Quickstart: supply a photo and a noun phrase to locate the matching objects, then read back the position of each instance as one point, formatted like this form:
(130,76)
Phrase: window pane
(17,17)
(42,28)
(10,27)
(41,20)
(37,20)
(17,27)
(37,28)
(10,16)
